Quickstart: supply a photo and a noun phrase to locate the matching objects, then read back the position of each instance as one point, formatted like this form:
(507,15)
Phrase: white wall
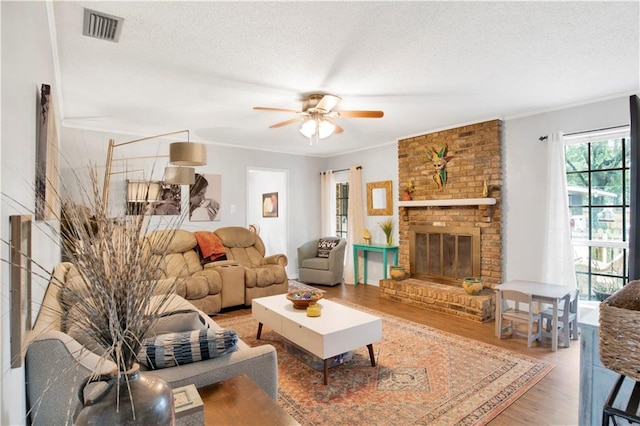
(26,64)
(525,174)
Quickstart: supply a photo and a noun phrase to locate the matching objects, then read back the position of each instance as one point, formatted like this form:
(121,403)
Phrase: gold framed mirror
(379,198)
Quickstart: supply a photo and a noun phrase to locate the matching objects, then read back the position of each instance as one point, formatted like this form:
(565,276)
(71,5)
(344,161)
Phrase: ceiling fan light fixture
(317,126)
(325,128)
(308,127)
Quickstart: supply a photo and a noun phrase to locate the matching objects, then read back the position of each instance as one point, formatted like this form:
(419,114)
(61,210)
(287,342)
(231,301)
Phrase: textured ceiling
(202,66)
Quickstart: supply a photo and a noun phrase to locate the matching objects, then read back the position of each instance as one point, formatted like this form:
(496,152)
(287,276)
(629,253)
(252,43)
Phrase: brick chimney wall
(476,156)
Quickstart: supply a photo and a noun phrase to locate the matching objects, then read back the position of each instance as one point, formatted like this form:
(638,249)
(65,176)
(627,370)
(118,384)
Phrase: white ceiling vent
(102,26)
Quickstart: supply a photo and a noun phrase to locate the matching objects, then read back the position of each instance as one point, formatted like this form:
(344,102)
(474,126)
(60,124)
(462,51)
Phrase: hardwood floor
(553,401)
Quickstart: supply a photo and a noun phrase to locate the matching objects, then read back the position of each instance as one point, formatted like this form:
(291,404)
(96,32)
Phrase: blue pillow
(167,350)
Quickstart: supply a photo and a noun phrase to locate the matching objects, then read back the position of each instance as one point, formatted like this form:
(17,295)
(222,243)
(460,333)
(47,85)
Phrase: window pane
(576,157)
(580,224)
(627,186)
(627,152)
(578,188)
(606,154)
(607,224)
(606,188)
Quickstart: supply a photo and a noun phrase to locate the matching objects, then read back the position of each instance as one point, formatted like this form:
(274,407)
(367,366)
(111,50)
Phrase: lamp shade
(180,175)
(187,154)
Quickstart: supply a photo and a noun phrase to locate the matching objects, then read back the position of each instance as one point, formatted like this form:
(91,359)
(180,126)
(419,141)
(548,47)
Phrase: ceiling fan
(317,116)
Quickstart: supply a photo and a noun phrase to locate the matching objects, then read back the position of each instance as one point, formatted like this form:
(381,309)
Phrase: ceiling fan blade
(359,114)
(338,128)
(328,102)
(276,109)
(284,123)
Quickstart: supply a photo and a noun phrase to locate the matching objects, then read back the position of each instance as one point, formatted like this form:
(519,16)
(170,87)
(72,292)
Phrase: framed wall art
(46,203)
(153,198)
(205,198)
(270,204)
(20,277)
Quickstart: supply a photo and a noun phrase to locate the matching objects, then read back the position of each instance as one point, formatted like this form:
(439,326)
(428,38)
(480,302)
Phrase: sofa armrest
(259,363)
(276,259)
(55,365)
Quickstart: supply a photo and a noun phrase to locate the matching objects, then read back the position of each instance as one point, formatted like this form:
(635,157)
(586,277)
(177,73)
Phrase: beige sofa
(263,276)
(56,363)
(246,273)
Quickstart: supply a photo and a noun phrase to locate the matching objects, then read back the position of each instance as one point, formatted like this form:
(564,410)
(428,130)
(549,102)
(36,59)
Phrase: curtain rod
(542,138)
(341,170)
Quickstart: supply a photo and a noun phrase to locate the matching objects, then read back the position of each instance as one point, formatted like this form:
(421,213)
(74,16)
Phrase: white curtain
(355,221)
(328,203)
(557,262)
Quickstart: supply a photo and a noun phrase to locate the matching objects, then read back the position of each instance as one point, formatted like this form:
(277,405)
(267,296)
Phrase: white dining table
(541,292)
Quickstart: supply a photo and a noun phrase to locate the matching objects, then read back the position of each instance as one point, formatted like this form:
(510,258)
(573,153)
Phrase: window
(598,189)
(342,206)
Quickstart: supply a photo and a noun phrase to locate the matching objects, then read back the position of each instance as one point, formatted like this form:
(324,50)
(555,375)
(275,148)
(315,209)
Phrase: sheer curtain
(355,220)
(328,203)
(557,262)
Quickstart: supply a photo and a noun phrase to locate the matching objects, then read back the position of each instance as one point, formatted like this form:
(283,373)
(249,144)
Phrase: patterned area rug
(297,285)
(423,376)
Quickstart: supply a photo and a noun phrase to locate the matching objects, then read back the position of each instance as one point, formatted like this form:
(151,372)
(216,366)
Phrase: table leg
(498,314)
(384,265)
(395,257)
(364,255)
(554,325)
(371,355)
(326,371)
(355,267)
(259,331)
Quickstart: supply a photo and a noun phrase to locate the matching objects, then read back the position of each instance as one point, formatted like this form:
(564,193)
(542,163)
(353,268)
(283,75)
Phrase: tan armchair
(263,276)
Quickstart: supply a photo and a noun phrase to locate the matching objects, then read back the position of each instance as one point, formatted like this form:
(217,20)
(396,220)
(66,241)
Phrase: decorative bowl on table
(302,298)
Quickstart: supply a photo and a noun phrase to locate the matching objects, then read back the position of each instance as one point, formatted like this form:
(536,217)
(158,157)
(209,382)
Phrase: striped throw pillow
(168,350)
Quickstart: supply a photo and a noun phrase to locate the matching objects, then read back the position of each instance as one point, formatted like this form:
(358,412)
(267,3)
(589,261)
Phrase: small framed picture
(270,204)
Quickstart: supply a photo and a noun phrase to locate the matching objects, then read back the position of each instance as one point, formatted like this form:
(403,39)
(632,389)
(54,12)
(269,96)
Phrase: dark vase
(152,400)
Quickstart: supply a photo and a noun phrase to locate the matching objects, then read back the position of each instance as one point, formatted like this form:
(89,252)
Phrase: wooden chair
(567,319)
(514,312)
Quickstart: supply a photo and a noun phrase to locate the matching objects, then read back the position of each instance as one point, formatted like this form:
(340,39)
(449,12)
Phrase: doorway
(267,207)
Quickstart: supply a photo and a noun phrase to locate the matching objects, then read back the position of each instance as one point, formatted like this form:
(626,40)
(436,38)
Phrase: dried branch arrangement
(114,305)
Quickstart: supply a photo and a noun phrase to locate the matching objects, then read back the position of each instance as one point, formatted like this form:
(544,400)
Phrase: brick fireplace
(469,220)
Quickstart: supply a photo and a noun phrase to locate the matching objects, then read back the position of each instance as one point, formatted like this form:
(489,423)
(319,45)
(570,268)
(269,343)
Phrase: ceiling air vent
(102,26)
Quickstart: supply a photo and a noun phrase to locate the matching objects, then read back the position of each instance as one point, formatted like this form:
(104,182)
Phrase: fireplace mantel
(450,202)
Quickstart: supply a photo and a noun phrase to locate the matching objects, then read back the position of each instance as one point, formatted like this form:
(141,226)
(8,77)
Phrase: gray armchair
(321,270)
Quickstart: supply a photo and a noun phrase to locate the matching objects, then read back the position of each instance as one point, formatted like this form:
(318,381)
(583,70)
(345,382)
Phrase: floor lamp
(181,154)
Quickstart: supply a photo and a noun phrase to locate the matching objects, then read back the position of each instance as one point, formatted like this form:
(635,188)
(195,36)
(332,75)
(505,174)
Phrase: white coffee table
(338,330)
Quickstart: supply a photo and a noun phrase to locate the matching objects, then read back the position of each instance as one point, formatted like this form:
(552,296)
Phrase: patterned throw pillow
(325,247)
(167,350)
